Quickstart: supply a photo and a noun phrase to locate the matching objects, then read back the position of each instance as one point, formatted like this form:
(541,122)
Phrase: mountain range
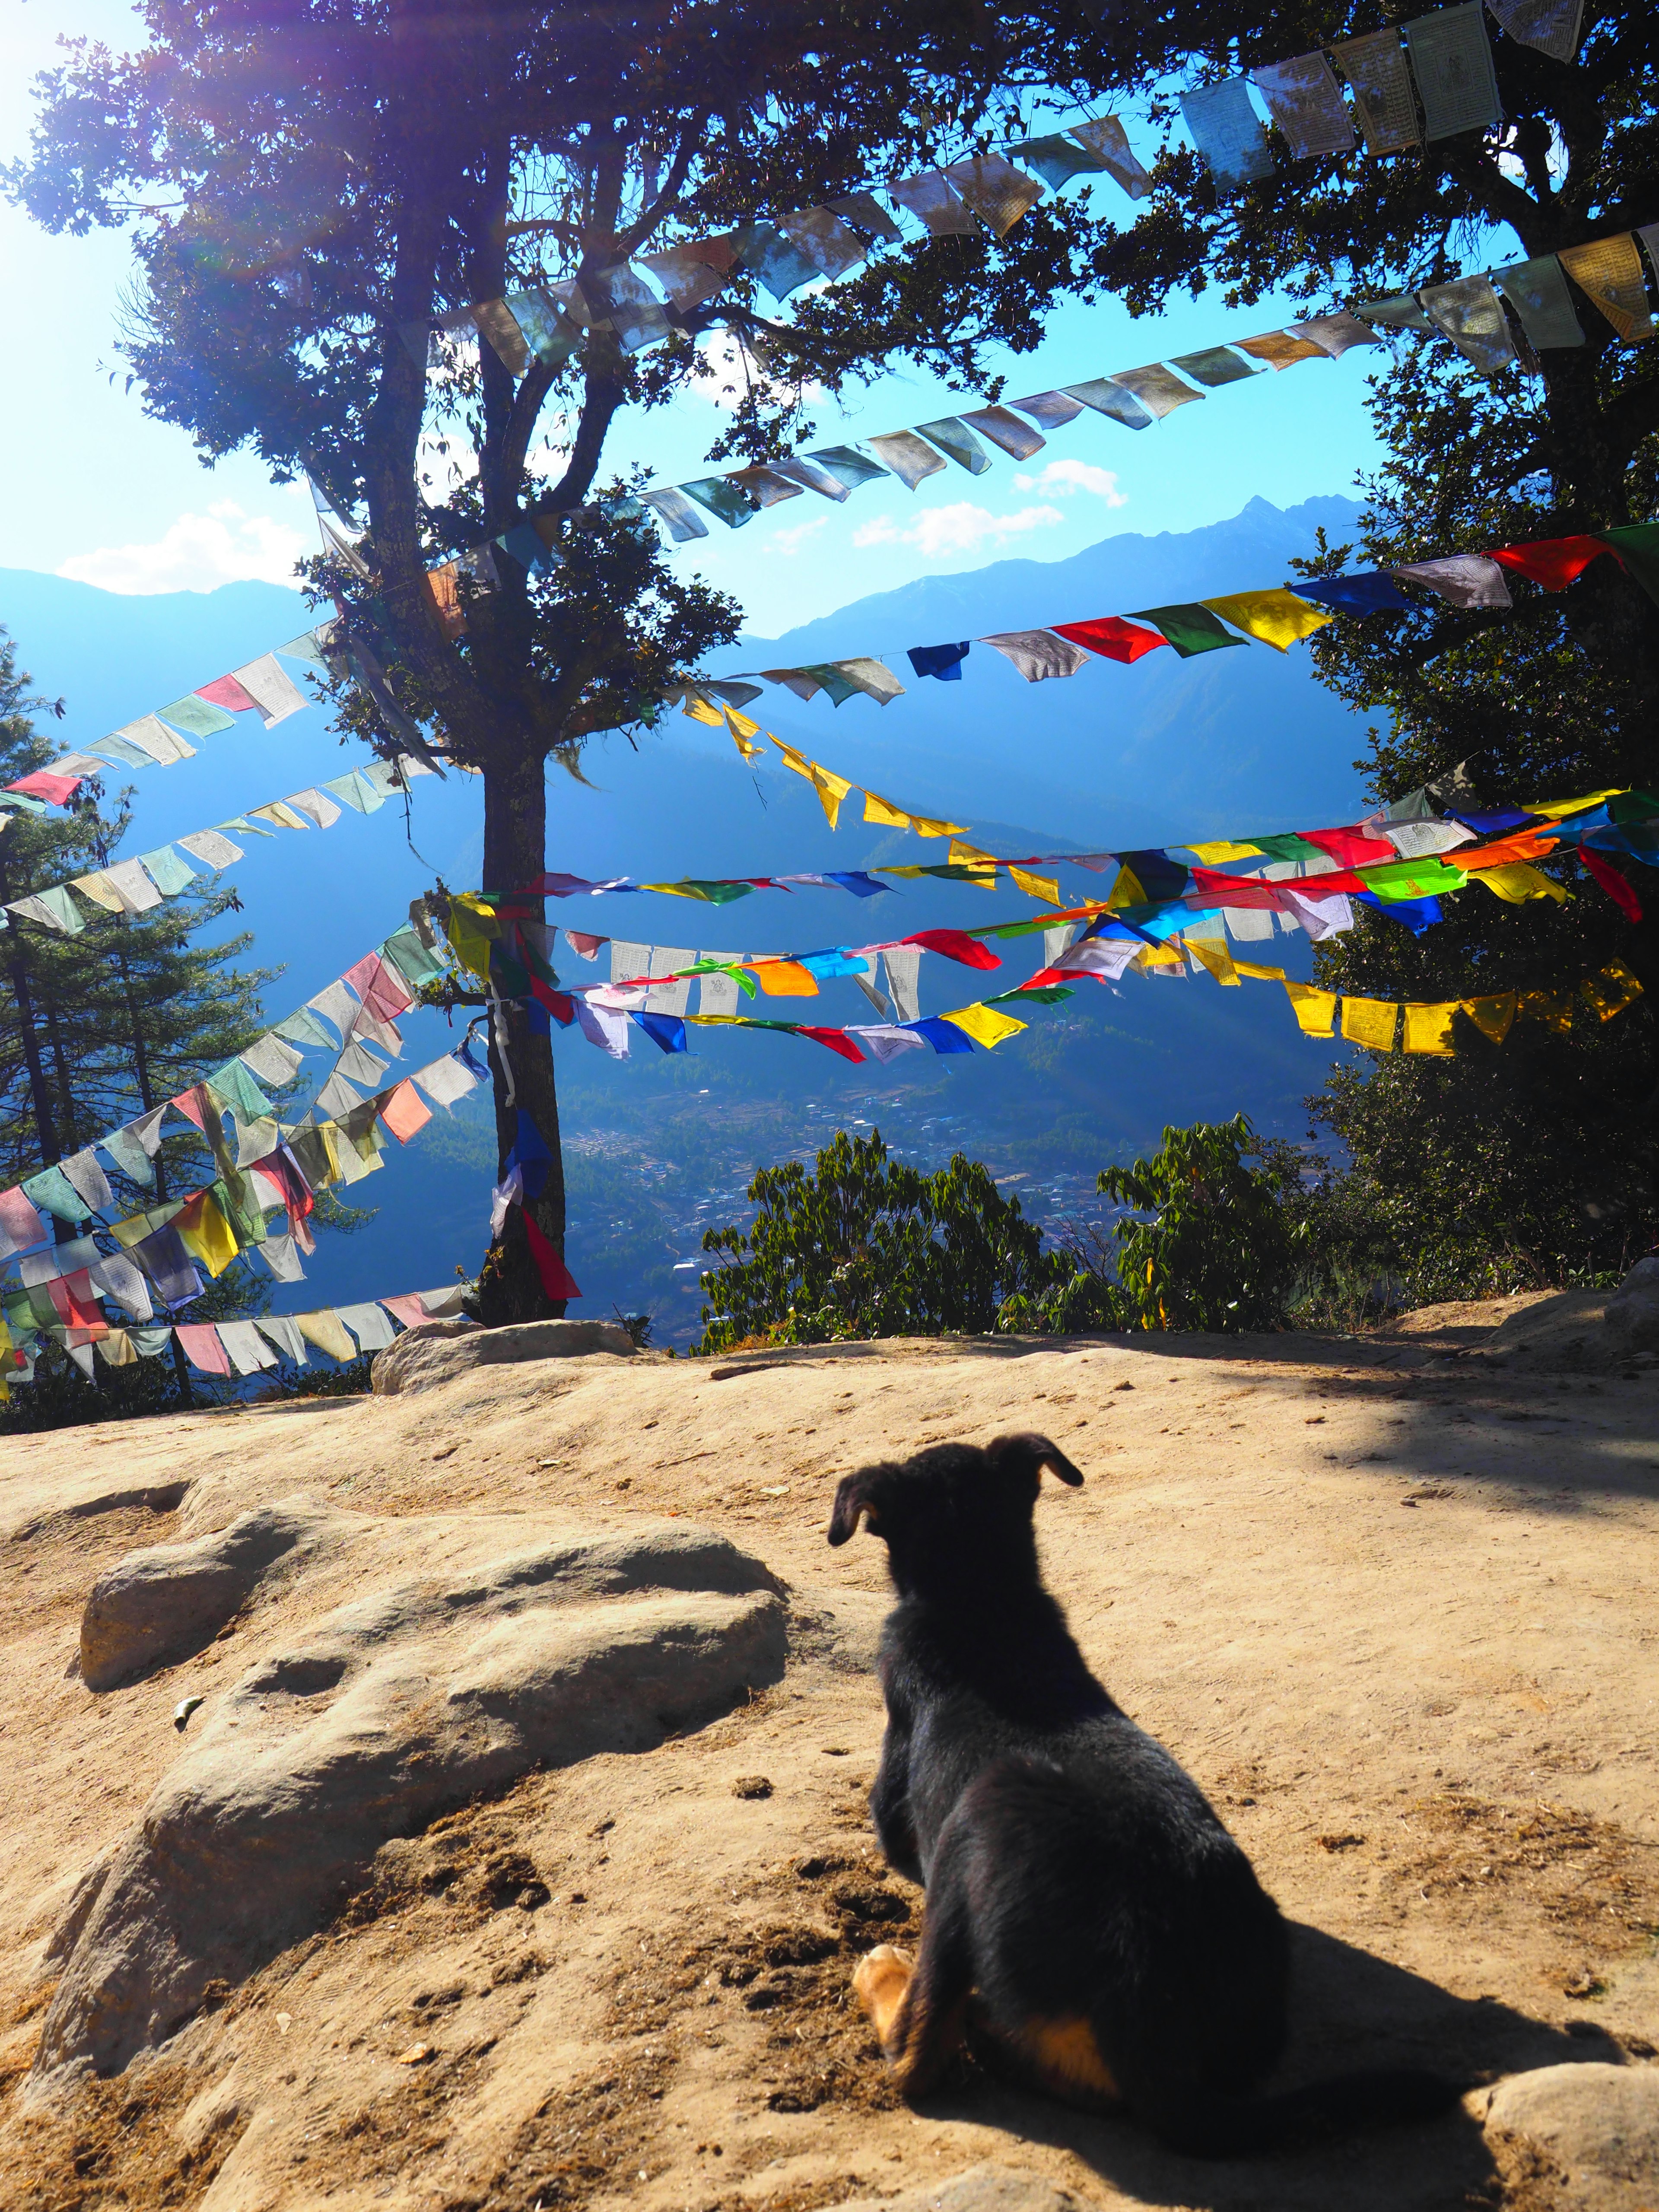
(657,1148)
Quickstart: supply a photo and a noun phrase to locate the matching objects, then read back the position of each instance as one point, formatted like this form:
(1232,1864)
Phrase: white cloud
(960,528)
(197,553)
(790,540)
(1065,477)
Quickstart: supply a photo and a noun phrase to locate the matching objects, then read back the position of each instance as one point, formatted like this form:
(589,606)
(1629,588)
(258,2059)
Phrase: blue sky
(98,492)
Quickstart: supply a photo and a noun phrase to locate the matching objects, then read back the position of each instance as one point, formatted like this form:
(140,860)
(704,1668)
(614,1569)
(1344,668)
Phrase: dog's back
(1111,1935)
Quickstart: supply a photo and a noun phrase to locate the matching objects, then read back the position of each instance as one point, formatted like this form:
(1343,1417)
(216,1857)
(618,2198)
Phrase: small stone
(751,1785)
(416,2055)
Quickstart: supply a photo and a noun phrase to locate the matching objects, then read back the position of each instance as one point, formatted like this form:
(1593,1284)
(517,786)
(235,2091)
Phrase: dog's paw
(879,1981)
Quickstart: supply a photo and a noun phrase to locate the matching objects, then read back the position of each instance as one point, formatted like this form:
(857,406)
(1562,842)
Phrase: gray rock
(168,1602)
(383,1712)
(1585,2138)
(435,1351)
(987,2188)
(1632,1311)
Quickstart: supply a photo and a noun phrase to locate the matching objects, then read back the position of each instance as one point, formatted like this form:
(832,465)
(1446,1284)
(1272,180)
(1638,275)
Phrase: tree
(311,181)
(99,1027)
(866,1247)
(1536,1156)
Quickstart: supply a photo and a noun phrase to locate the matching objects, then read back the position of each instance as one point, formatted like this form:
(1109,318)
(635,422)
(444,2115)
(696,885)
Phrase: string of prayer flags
(1608,271)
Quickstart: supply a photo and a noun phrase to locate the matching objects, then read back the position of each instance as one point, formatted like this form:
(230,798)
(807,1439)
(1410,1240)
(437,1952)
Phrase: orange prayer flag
(404,1111)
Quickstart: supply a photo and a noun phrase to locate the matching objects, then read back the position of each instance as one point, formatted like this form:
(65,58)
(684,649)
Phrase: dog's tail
(1241,2127)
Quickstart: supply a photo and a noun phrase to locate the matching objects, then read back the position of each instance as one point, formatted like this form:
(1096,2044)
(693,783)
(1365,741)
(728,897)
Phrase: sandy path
(1396,1620)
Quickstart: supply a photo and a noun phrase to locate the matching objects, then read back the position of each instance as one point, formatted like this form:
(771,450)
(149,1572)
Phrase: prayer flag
(1375,68)
(196,717)
(52,1189)
(1470,313)
(1315,1010)
(1333,334)
(984,1023)
(206,1235)
(928,197)
(1279,619)
(811,476)
(228,691)
(1613,990)
(1279,348)
(1050,409)
(271,689)
(1057,159)
(837,1041)
(404,1112)
(1214,366)
(822,238)
(1551,561)
(42,784)
(1016,438)
(910,459)
(1466,579)
(1494,1016)
(1610,272)
(944,661)
(1304,101)
(370,1326)
(1158,390)
(884,1041)
(1370,1022)
(723,499)
(1112,637)
(1516,883)
(20,1226)
(1106,136)
(1038,654)
(1538,292)
(1369,594)
(682,518)
(557,1280)
(954,943)
(1451,60)
(1227,133)
(999,193)
(323,1329)
(53,908)
(202,1347)
(944,1037)
(1550,25)
(1107,397)
(1636,546)
(1189,629)
(1428,1028)
(248,1351)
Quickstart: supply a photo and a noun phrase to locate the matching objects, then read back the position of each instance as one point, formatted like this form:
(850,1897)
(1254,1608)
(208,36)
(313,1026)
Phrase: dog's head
(954,1513)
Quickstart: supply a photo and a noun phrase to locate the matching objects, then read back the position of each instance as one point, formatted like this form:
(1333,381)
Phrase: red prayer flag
(225,691)
(58,790)
(202,1346)
(72,1298)
(1617,886)
(837,1040)
(189,1104)
(408,1309)
(955,944)
(1352,846)
(1111,635)
(556,1279)
(404,1110)
(559,1004)
(1551,561)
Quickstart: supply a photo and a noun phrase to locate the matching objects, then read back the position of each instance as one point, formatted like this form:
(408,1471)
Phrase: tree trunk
(515,832)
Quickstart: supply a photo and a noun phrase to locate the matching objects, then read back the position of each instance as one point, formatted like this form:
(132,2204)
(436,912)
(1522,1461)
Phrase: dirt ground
(1394,1615)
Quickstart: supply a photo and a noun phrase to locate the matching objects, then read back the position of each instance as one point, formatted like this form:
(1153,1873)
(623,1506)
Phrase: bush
(866,1247)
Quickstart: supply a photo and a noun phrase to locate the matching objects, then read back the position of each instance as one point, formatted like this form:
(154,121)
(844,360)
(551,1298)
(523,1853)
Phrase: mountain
(658,1149)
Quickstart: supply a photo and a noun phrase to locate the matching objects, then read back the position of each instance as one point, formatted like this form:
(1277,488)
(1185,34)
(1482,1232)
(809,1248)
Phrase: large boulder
(1632,1311)
(435,1351)
(364,1726)
(168,1602)
(1579,2138)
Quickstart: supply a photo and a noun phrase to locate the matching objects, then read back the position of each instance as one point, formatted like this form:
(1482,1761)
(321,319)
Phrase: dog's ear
(855,1498)
(1035,1452)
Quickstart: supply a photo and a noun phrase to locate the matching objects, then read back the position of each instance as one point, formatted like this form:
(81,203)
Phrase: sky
(101,494)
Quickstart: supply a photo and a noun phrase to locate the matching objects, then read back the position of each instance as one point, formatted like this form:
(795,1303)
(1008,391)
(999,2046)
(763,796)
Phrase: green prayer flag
(1056,159)
(1636,545)
(196,718)
(718,890)
(721,497)
(52,1189)
(415,961)
(237,1087)
(1286,848)
(1190,630)
(848,466)
(171,874)
(1213,365)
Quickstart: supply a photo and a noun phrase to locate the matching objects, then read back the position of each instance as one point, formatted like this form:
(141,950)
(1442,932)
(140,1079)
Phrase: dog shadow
(1349,2009)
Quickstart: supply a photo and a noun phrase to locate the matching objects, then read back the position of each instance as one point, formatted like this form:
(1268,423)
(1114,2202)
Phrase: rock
(383,1712)
(1583,2138)
(987,2188)
(168,1602)
(1632,1311)
(422,1357)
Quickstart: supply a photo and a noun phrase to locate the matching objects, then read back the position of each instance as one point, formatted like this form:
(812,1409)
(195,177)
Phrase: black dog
(1116,1946)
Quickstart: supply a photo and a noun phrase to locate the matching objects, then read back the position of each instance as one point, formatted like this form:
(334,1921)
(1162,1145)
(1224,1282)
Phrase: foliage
(308,184)
(1536,1159)
(866,1247)
(1218,1252)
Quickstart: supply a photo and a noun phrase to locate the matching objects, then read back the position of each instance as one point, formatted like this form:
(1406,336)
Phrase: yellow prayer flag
(118,1349)
(1428,1028)
(1613,990)
(986,1025)
(1222,849)
(1370,1022)
(1125,891)
(1157,955)
(784,979)
(700,709)
(1277,618)
(743,730)
(1315,1010)
(279,812)
(1516,882)
(1556,808)
(1261,974)
(878,809)
(830,788)
(1211,953)
(329,1333)
(1045,888)
(1553,1008)
(206,1234)
(962,855)
(926,826)
(98,887)
(1495,1015)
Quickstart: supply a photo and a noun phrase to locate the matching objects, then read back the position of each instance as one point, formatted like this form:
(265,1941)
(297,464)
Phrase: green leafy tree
(310,182)
(1218,1252)
(1540,1153)
(866,1247)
